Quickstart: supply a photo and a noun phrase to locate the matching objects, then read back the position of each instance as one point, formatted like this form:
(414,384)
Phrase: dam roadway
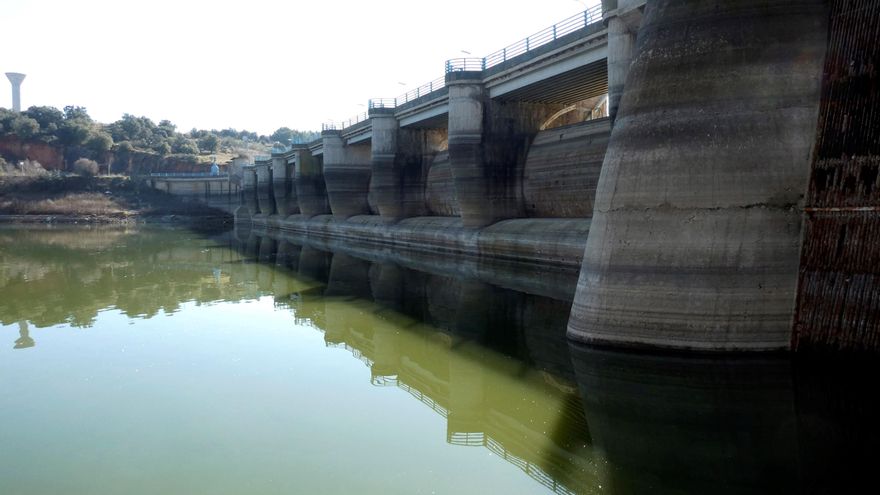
(709,167)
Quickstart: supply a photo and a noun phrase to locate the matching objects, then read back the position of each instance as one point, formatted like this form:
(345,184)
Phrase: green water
(165,361)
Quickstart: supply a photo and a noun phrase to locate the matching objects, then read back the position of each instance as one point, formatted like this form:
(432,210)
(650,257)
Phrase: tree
(168,127)
(99,143)
(209,142)
(76,113)
(25,127)
(74,132)
(184,146)
(282,135)
(197,133)
(163,148)
(49,118)
(124,147)
(141,131)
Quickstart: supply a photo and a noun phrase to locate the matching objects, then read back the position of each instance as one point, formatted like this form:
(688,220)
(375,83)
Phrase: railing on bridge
(550,34)
(570,25)
(470,64)
(382,103)
(187,174)
(334,126)
(422,90)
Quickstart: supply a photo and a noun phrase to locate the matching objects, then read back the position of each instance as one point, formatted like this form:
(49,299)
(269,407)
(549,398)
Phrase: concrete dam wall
(705,232)
(728,203)
(411,198)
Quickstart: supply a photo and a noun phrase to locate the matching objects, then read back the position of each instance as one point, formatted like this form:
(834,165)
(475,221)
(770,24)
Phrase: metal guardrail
(566,26)
(333,126)
(187,174)
(382,103)
(465,64)
(423,90)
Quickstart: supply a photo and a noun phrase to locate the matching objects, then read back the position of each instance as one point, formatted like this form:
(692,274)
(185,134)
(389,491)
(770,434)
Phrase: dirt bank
(96,199)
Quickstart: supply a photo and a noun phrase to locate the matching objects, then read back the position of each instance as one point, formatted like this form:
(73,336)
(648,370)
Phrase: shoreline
(25,219)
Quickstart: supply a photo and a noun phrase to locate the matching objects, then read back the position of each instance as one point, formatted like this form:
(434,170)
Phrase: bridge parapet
(548,35)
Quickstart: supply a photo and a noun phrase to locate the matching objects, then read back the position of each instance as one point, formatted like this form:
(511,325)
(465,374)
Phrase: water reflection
(485,358)
(24,339)
(50,276)
(484,348)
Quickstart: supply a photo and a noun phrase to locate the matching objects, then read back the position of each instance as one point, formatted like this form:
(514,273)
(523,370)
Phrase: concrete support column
(249,190)
(265,194)
(623,18)
(282,185)
(488,145)
(621,48)
(311,192)
(347,175)
(401,159)
(472,183)
(386,181)
(696,230)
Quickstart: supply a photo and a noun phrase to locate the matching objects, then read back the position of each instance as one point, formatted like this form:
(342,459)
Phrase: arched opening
(589,109)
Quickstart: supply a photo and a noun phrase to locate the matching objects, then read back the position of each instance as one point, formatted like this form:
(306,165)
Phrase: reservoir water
(156,360)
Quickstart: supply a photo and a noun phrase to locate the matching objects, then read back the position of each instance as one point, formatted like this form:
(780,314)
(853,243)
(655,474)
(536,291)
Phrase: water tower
(15,78)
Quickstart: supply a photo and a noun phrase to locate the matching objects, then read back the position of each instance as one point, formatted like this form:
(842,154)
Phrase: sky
(256,64)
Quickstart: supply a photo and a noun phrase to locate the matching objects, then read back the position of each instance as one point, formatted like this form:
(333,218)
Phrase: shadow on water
(723,424)
(484,347)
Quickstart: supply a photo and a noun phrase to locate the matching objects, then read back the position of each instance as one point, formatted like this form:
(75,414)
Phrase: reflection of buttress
(24,339)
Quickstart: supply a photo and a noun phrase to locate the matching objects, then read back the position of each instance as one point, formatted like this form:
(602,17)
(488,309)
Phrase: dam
(709,168)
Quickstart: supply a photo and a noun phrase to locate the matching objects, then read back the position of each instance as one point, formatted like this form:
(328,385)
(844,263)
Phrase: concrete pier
(478,201)
(347,175)
(401,162)
(696,229)
(283,187)
(623,18)
(249,204)
(386,180)
(311,191)
(265,189)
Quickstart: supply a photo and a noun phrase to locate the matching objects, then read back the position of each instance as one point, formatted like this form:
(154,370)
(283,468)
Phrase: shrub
(85,167)
(24,168)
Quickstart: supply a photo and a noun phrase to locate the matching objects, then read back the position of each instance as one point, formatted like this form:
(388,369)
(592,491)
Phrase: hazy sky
(255,64)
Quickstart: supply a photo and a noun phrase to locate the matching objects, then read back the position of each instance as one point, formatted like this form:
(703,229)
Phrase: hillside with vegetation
(52,139)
